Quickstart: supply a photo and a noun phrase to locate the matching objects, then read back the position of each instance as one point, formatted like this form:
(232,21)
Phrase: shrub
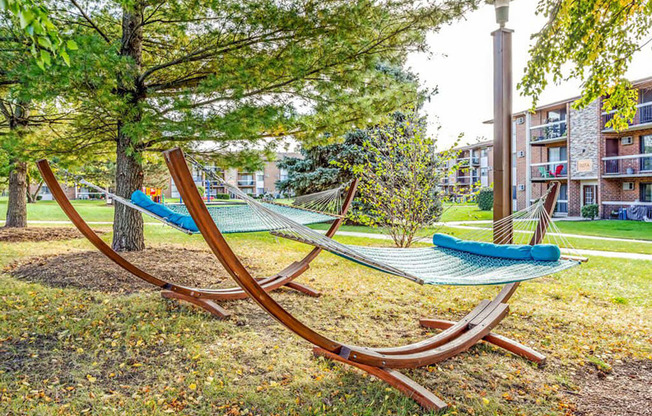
(486,199)
(201,190)
(590,211)
(221,196)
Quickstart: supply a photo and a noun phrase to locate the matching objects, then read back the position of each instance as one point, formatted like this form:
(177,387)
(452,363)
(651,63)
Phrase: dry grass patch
(137,354)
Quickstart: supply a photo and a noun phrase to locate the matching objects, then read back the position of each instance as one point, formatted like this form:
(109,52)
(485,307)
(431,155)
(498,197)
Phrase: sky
(460,64)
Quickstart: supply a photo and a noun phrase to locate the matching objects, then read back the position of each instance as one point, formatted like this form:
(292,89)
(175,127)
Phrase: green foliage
(399,178)
(240,75)
(44,40)
(590,211)
(220,195)
(201,190)
(319,168)
(598,39)
(486,199)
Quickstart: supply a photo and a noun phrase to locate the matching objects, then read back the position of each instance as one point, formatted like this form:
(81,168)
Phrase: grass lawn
(636,230)
(464,212)
(98,211)
(74,351)
(91,210)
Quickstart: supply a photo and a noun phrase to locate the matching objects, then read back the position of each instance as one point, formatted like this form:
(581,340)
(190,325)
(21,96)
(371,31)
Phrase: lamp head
(502,11)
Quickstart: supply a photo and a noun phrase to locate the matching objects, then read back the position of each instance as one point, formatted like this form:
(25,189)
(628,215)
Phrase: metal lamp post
(502,38)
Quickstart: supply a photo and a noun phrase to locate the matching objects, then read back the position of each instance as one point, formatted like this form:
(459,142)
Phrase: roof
(637,84)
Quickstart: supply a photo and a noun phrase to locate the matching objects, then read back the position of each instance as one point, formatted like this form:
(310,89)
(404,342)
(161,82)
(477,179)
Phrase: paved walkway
(586,237)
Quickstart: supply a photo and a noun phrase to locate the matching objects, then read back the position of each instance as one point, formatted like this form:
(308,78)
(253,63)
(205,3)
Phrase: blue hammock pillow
(546,252)
(184,221)
(541,252)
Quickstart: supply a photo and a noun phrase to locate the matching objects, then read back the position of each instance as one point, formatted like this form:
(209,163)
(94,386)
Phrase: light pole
(502,38)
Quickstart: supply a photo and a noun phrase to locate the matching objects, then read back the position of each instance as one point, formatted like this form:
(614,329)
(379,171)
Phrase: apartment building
(594,163)
(255,183)
(473,169)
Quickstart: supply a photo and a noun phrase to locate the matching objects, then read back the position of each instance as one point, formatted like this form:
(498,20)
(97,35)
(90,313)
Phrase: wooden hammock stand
(204,298)
(382,363)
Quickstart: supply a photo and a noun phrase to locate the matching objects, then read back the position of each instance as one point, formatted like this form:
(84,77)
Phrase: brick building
(474,169)
(594,164)
(254,183)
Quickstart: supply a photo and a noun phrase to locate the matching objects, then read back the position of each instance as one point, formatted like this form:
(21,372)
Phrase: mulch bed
(625,391)
(35,234)
(93,271)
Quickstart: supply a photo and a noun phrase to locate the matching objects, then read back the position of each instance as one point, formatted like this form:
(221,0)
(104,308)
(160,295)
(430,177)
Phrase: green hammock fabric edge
(240,218)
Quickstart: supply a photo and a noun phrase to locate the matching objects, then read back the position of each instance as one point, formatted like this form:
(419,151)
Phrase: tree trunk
(17,204)
(127,223)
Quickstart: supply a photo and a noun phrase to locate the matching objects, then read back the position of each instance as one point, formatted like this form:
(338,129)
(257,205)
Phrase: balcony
(475,161)
(552,132)
(463,180)
(462,162)
(642,119)
(627,166)
(246,182)
(549,171)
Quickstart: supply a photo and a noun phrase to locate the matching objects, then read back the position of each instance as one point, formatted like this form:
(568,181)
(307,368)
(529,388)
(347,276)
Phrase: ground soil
(93,271)
(625,391)
(35,234)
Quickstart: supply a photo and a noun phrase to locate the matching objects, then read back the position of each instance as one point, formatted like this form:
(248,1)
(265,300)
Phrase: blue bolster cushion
(542,252)
(184,221)
(545,252)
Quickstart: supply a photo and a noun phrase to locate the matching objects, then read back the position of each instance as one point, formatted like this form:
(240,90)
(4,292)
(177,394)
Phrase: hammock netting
(444,266)
(241,218)
(426,265)
(430,265)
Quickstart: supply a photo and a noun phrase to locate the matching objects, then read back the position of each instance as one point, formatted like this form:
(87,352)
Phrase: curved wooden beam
(197,296)
(477,326)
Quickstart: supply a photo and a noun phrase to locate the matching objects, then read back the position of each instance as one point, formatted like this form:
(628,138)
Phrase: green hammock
(241,218)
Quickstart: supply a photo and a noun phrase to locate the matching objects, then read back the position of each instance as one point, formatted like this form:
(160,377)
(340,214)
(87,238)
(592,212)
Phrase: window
(557,154)
(556,115)
(589,194)
(646,96)
(646,148)
(646,192)
(562,201)
(483,152)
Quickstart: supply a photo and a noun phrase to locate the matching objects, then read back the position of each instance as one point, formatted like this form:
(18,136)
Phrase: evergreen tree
(220,77)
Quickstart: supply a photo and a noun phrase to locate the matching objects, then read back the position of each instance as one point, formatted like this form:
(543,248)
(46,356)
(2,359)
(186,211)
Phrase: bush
(590,211)
(486,199)
(221,196)
(201,190)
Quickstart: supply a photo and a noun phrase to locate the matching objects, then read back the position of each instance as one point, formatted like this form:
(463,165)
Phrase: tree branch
(88,19)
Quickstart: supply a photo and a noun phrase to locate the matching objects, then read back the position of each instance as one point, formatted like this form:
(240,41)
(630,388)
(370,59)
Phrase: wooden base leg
(303,289)
(207,304)
(498,340)
(399,381)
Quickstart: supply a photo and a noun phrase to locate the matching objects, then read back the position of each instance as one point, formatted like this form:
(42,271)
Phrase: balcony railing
(549,170)
(246,182)
(463,180)
(643,116)
(548,132)
(475,160)
(631,165)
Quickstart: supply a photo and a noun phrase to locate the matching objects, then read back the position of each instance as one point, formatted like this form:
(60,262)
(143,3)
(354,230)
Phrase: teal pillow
(546,252)
(503,251)
(184,221)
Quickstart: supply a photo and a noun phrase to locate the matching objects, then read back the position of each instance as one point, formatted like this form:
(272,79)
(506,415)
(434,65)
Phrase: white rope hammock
(471,269)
